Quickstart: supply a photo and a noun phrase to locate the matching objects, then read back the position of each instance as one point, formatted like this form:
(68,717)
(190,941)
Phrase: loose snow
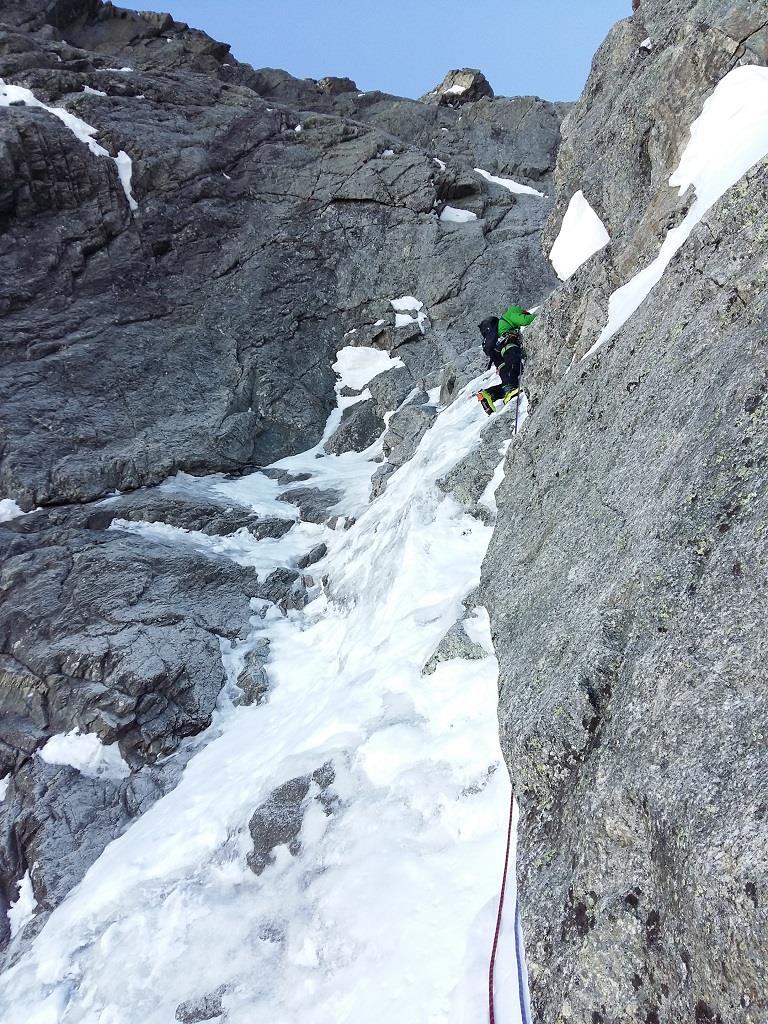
(510,184)
(84,132)
(403,307)
(386,909)
(455,216)
(86,753)
(727,140)
(582,234)
(22,910)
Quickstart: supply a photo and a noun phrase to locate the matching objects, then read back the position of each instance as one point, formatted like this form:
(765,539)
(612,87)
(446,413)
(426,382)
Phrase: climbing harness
(521,985)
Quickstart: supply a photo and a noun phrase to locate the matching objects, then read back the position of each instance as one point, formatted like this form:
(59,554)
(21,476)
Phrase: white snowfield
(387,912)
(509,184)
(84,132)
(582,234)
(727,140)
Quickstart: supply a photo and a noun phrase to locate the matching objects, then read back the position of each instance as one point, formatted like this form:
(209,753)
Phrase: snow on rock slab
(510,184)
(582,234)
(84,132)
(406,305)
(87,754)
(728,138)
(455,216)
(381,905)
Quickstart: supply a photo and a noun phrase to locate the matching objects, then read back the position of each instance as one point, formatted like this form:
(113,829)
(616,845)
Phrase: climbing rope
(497,933)
(518,933)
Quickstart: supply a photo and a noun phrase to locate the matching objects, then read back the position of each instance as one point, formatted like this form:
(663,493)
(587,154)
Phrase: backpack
(489,328)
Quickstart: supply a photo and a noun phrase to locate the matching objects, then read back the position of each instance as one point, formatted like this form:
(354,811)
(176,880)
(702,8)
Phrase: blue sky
(542,47)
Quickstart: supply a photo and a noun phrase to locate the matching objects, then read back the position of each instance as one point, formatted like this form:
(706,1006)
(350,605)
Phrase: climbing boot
(512,393)
(486,401)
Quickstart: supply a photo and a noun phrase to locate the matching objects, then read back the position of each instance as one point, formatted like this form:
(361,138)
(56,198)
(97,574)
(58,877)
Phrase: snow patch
(93,92)
(406,305)
(582,234)
(87,754)
(9,509)
(510,184)
(440,163)
(84,132)
(4,783)
(125,171)
(23,909)
(647,44)
(728,138)
(455,90)
(356,366)
(388,152)
(488,498)
(455,216)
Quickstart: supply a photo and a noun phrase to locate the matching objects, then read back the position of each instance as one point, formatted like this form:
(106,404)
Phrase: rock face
(197,330)
(632,698)
(172,296)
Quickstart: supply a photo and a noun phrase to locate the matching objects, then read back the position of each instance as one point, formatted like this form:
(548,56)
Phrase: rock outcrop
(186,243)
(459,87)
(632,697)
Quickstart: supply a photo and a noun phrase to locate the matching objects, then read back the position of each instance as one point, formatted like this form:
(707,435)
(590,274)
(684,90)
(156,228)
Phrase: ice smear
(84,132)
(728,138)
(456,216)
(510,184)
(87,754)
(386,912)
(23,909)
(582,234)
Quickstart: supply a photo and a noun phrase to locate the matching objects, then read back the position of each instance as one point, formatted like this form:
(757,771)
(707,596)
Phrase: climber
(502,344)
